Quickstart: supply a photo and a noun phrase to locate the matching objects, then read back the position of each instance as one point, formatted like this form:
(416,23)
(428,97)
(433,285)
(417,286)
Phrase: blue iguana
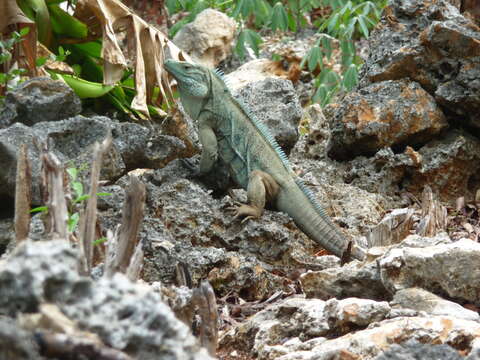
(256,162)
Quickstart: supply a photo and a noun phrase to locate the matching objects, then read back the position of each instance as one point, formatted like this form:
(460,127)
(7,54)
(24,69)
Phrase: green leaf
(24,31)
(246,38)
(65,24)
(39,209)
(315,58)
(77,188)
(279,18)
(321,94)
(72,222)
(363,26)
(81,198)
(350,78)
(91,48)
(104,194)
(326,43)
(99,241)
(40,61)
(333,23)
(72,172)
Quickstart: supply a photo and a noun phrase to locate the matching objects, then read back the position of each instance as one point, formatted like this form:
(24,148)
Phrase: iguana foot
(244,211)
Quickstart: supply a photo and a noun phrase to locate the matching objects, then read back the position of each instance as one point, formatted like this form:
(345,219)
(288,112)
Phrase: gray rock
(388,113)
(415,350)
(422,300)
(351,313)
(184,223)
(16,343)
(289,319)
(401,47)
(126,316)
(72,141)
(312,144)
(208,39)
(351,280)
(275,103)
(446,269)
(37,100)
(7,234)
(448,165)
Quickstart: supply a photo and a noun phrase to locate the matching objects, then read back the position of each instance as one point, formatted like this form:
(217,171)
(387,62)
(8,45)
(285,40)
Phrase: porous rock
(415,350)
(352,313)
(37,100)
(275,103)
(445,269)
(126,316)
(367,344)
(252,71)
(290,318)
(449,166)
(16,343)
(72,141)
(184,223)
(351,280)
(434,45)
(389,113)
(422,300)
(208,39)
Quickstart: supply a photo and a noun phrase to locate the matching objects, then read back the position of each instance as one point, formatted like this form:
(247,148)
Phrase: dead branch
(204,298)
(434,215)
(55,195)
(393,228)
(62,346)
(132,215)
(89,218)
(22,195)
(136,263)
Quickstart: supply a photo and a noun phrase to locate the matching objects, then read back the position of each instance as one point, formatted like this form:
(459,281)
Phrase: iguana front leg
(261,188)
(210,150)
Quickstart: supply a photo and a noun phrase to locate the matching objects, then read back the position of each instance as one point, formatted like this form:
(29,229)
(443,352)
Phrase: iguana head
(193,79)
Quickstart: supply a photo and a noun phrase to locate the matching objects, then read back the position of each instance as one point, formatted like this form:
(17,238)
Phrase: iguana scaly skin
(229,131)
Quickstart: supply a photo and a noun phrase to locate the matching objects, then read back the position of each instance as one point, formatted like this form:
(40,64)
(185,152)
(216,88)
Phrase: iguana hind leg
(262,187)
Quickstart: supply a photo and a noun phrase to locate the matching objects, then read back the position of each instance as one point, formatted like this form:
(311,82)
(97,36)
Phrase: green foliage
(349,20)
(6,49)
(78,197)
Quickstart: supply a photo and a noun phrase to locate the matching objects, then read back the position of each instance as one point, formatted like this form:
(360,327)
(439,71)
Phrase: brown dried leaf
(146,48)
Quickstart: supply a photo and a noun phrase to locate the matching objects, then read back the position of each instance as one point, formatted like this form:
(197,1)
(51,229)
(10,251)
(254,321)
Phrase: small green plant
(349,21)
(78,197)
(6,49)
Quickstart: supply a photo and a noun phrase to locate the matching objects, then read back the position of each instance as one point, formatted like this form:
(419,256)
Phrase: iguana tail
(298,202)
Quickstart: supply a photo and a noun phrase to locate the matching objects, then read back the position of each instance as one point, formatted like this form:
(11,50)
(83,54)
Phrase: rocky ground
(395,163)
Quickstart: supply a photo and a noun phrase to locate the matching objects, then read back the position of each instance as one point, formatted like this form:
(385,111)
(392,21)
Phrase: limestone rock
(414,349)
(434,45)
(351,313)
(367,344)
(422,300)
(37,100)
(208,39)
(442,269)
(252,71)
(275,103)
(449,165)
(72,140)
(126,316)
(385,114)
(351,280)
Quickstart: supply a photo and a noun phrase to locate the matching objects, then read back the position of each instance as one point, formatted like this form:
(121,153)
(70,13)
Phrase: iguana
(227,129)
